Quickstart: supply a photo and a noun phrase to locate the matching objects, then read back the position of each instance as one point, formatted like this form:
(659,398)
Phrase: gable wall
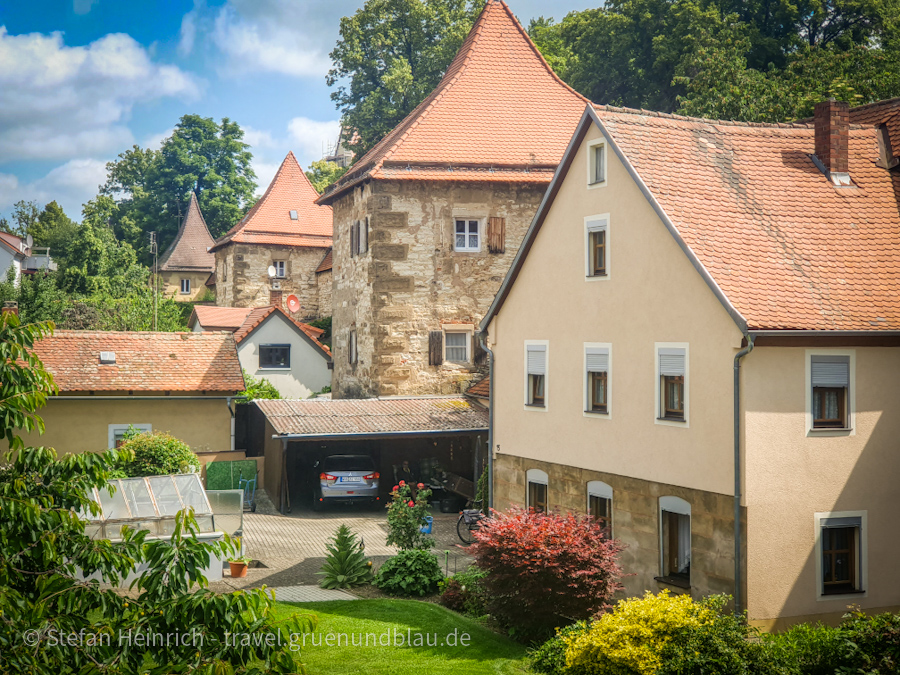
(171,285)
(242,278)
(309,369)
(411,280)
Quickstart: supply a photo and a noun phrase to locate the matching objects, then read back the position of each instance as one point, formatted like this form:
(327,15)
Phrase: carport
(436,434)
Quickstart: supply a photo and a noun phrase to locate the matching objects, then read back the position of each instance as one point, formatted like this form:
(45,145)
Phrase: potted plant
(239,566)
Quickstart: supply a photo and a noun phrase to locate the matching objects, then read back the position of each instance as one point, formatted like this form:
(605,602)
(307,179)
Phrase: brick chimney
(275,298)
(11,307)
(832,123)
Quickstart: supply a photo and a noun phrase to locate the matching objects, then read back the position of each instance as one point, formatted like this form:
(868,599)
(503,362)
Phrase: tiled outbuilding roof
(189,251)
(481,389)
(270,222)
(327,262)
(320,417)
(14,244)
(144,361)
(500,113)
(243,320)
(788,249)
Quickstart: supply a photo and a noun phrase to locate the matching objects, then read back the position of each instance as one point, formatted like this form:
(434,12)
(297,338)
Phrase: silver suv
(345,479)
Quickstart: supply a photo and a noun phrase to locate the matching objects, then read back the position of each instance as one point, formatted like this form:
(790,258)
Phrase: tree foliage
(258,388)
(155,453)
(755,61)
(406,517)
(24,216)
(150,189)
(388,58)
(322,174)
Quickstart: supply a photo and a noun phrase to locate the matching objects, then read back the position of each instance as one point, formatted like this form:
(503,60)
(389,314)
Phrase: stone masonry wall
(324,289)
(170,285)
(635,521)
(411,280)
(242,278)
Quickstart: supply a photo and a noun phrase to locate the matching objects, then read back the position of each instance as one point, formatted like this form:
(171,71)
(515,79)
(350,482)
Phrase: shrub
(630,639)
(405,518)
(258,389)
(550,657)
(345,564)
(158,454)
(874,641)
(410,572)
(809,649)
(545,570)
(464,592)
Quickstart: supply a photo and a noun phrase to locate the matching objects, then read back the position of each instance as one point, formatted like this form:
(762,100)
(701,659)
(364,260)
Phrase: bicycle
(469,521)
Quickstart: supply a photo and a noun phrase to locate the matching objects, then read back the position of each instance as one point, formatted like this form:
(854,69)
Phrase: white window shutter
(671,362)
(597,359)
(831,371)
(537,360)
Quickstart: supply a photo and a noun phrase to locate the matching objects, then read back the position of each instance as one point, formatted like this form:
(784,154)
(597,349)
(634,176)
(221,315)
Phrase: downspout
(231,412)
(738,549)
(482,339)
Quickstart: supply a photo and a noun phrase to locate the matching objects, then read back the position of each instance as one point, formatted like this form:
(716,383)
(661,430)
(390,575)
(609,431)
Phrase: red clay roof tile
(269,221)
(499,113)
(145,361)
(243,320)
(189,252)
(327,262)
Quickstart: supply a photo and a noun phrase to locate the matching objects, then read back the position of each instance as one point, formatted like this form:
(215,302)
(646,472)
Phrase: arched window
(675,539)
(537,489)
(599,503)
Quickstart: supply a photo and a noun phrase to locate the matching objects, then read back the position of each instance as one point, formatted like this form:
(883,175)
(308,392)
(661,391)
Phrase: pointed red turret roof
(189,252)
(500,113)
(270,222)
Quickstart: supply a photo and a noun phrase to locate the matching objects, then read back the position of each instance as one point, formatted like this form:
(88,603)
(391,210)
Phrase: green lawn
(358,621)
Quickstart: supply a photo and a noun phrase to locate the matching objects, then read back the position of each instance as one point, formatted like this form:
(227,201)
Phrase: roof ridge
(255,207)
(193,207)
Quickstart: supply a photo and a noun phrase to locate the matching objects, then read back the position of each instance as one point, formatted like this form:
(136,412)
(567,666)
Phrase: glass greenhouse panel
(113,505)
(137,494)
(168,501)
(192,492)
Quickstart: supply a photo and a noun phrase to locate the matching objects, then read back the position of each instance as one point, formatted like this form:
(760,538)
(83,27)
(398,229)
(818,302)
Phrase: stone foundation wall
(411,280)
(242,278)
(636,521)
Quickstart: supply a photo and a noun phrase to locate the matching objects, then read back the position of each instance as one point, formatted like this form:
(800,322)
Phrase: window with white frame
(841,549)
(675,540)
(600,498)
(596,246)
(671,375)
(536,375)
(279,266)
(118,432)
(596,365)
(456,346)
(830,390)
(185,286)
(467,234)
(537,481)
(596,157)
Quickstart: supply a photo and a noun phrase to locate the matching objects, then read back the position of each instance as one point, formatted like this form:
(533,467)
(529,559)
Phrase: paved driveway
(292,547)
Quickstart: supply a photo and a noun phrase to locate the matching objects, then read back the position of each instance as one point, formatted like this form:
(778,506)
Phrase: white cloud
(264,43)
(83,6)
(70,184)
(59,102)
(188,33)
(155,141)
(311,139)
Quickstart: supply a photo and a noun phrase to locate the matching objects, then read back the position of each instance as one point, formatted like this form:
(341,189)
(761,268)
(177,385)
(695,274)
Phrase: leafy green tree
(47,557)
(322,174)
(259,388)
(55,230)
(24,216)
(390,55)
(151,188)
(24,382)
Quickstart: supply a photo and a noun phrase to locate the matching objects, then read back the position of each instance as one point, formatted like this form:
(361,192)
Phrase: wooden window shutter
(479,356)
(496,234)
(435,348)
(354,238)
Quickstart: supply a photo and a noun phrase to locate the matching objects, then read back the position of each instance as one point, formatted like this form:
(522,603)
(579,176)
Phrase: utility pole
(154,250)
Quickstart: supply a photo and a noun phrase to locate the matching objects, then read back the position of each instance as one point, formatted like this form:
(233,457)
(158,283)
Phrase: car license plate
(350,479)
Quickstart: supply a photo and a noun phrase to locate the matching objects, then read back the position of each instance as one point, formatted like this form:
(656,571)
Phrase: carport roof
(315,418)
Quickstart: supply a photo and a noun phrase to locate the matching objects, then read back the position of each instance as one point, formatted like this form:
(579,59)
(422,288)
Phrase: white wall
(7,259)
(309,366)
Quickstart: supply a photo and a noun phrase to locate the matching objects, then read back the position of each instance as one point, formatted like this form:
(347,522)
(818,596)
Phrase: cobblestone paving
(290,549)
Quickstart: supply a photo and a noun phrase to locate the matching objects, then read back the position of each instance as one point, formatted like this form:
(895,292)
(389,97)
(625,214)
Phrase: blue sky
(83,80)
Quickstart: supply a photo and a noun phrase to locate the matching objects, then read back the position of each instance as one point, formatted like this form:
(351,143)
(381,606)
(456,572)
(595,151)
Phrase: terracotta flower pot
(238,569)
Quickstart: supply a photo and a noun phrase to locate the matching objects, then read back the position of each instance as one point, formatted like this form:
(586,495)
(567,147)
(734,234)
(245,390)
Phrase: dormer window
(294,215)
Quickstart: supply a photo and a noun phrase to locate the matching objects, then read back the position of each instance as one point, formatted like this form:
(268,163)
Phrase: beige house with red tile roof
(428,221)
(186,266)
(180,383)
(273,345)
(726,303)
(286,230)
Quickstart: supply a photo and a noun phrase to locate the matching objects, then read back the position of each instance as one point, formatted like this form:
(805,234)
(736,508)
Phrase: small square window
(597,366)
(536,368)
(274,356)
(596,163)
(467,235)
(185,286)
(672,378)
(279,266)
(830,391)
(456,346)
(596,246)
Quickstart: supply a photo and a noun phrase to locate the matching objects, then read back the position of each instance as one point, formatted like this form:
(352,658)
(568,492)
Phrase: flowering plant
(406,516)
